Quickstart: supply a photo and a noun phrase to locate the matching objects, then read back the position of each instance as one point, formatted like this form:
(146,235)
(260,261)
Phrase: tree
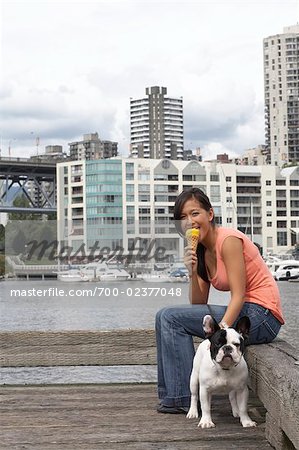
(22,202)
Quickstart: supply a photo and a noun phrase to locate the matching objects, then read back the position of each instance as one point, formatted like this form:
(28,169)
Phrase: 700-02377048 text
(98,292)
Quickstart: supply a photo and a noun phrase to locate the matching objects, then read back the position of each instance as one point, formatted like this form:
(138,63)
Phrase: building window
(269,224)
(280,193)
(130,171)
(280,182)
(148,211)
(268,203)
(143,188)
(281,204)
(214,177)
(268,182)
(143,176)
(130,211)
(144,198)
(282,238)
(215,193)
(281,223)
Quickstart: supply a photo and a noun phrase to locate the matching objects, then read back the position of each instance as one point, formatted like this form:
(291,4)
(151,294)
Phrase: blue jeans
(175,327)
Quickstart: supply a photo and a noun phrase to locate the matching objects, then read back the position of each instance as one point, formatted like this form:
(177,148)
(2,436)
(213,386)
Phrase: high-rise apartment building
(157,129)
(281,80)
(92,147)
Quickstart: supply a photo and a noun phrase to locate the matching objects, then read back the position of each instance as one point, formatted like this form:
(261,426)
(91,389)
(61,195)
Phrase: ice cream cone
(192,236)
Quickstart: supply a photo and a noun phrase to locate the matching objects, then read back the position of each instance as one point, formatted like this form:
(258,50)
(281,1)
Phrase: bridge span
(34,178)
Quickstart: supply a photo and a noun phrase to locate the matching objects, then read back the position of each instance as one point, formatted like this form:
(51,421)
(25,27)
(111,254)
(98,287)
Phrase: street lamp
(9,146)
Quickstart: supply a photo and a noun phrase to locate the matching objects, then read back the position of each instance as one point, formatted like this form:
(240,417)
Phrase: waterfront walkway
(123,416)
(116,417)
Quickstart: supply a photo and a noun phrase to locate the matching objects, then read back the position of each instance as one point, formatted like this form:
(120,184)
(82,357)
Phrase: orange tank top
(261,288)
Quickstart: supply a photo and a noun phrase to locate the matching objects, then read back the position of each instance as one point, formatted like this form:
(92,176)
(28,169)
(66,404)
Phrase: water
(119,305)
(130,304)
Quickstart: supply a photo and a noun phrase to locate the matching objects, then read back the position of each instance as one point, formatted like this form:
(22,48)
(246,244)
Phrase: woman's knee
(159,316)
(166,315)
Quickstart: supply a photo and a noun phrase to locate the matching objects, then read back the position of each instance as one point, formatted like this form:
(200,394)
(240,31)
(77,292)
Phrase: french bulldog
(219,366)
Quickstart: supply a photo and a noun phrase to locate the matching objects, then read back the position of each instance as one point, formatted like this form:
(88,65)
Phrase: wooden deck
(116,417)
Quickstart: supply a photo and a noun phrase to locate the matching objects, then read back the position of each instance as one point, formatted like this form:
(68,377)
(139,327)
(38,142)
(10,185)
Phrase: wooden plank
(115,417)
(75,348)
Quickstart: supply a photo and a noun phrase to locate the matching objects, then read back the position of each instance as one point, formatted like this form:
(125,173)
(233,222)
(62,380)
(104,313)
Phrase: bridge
(34,178)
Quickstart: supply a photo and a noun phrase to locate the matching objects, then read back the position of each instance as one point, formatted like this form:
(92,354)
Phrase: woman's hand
(190,260)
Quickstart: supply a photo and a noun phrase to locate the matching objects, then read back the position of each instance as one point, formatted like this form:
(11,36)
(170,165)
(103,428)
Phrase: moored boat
(156,277)
(103,272)
(72,276)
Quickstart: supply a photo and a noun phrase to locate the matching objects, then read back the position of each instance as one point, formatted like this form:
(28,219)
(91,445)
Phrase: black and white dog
(219,367)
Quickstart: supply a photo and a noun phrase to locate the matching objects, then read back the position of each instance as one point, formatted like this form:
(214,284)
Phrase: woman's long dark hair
(203,200)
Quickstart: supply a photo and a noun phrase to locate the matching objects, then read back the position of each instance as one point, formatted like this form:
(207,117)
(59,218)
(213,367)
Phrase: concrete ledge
(274,379)
(77,348)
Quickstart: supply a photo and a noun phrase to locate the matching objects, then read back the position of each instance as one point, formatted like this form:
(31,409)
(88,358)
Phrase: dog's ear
(243,326)
(210,326)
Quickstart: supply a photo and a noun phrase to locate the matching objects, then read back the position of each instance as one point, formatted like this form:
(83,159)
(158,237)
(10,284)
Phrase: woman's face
(193,215)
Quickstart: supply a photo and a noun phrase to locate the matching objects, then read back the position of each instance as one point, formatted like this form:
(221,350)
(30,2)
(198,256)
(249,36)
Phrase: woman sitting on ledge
(228,260)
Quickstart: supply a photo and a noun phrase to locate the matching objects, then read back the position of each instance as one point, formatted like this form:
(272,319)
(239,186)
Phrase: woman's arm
(198,288)
(232,254)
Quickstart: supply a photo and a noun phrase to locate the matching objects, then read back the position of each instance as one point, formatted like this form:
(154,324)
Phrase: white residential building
(117,201)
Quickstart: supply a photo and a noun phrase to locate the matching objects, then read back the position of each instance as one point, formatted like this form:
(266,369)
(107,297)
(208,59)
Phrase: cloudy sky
(70,67)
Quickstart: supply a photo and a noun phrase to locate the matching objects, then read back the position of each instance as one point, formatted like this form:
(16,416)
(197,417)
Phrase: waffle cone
(192,236)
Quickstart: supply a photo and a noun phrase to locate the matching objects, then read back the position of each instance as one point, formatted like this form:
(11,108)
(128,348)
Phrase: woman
(229,261)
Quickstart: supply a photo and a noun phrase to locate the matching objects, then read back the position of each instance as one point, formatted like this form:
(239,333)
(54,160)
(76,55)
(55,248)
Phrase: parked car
(285,272)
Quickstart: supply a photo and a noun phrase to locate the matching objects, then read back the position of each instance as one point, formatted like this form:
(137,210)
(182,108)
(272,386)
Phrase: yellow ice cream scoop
(192,236)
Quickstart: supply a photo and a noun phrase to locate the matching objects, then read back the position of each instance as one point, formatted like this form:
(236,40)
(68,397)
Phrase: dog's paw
(192,413)
(235,413)
(206,423)
(247,423)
